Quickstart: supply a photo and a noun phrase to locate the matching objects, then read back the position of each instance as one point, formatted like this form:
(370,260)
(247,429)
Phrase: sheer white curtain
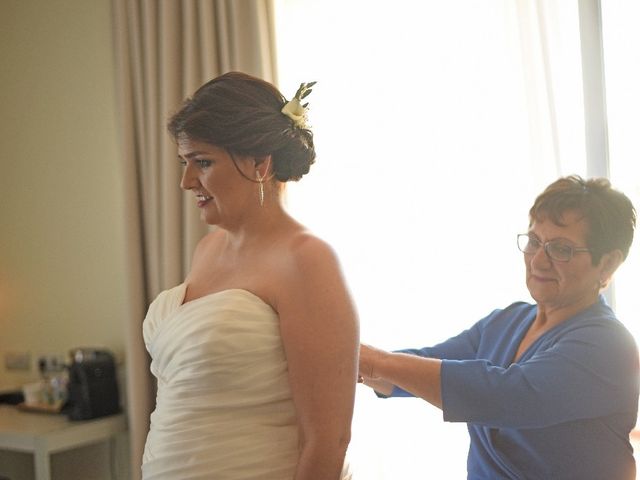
(622,73)
(436,125)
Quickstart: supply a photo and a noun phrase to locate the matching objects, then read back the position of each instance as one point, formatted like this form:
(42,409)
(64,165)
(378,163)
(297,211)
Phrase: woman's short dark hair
(610,215)
(242,114)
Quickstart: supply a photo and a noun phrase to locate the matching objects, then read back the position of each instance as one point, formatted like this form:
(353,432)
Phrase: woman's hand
(370,357)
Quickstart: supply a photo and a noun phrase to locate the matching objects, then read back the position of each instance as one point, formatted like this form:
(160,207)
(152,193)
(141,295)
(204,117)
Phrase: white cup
(33,393)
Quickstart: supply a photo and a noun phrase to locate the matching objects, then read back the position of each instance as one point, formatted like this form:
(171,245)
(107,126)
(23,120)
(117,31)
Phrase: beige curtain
(164,50)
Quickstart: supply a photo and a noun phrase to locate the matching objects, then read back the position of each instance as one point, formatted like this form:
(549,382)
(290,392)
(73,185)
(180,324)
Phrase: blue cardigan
(564,410)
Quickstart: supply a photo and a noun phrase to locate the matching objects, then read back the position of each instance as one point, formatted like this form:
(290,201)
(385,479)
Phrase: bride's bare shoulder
(305,248)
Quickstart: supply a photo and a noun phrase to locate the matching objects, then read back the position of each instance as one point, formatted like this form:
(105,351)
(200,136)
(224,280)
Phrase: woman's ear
(263,165)
(609,263)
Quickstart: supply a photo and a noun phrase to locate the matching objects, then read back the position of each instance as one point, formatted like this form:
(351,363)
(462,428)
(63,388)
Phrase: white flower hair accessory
(295,110)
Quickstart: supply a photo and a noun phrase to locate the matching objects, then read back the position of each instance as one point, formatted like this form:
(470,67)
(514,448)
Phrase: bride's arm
(320,333)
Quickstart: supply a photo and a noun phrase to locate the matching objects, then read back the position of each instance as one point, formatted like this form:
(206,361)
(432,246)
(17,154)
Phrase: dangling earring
(260,186)
(261,180)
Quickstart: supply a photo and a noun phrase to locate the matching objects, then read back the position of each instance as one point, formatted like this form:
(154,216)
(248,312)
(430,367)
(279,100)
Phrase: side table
(43,434)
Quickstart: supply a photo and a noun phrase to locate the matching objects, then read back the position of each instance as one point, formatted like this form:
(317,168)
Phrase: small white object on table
(43,434)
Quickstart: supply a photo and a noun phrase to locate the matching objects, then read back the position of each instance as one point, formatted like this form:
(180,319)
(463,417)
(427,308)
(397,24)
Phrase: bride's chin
(209,219)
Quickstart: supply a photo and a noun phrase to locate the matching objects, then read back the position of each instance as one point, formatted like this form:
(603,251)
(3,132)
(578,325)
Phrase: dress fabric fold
(224,409)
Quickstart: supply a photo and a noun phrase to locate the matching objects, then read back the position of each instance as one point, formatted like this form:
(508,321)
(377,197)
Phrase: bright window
(622,75)
(433,136)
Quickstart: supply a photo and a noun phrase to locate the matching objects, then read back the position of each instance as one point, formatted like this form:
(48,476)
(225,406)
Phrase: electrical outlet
(17,361)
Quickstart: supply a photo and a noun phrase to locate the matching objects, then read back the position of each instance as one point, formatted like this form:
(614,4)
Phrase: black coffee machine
(93,387)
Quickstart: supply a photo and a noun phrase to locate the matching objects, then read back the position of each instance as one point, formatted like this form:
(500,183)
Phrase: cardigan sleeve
(590,371)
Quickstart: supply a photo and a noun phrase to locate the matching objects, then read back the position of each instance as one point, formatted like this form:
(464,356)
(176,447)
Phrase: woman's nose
(188,180)
(541,259)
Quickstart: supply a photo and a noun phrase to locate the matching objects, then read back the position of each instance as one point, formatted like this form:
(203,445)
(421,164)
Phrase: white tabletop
(47,433)
(29,431)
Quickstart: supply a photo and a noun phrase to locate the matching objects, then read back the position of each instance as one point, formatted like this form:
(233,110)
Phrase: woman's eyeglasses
(555,249)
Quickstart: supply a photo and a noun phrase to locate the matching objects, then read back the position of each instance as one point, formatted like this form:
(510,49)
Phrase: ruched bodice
(223,409)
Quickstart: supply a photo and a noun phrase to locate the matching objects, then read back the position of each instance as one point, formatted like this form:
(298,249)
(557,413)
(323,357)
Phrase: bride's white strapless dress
(224,409)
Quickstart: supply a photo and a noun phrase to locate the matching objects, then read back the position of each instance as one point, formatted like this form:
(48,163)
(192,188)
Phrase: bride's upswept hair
(242,114)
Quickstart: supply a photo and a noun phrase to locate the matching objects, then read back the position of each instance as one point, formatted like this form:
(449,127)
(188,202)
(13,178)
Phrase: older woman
(549,390)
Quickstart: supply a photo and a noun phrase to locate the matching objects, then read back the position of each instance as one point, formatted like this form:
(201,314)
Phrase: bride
(255,354)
